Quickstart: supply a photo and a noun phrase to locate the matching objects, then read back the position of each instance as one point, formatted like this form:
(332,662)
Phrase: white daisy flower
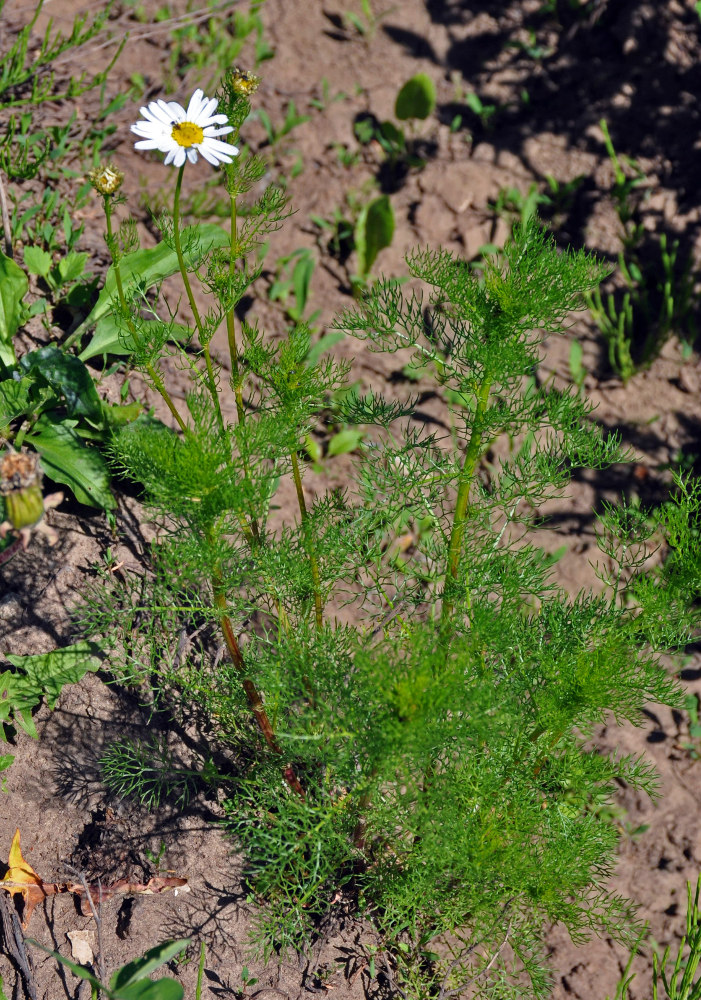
(182,134)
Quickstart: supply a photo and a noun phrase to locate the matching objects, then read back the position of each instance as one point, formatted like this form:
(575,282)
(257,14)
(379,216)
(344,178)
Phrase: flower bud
(106,180)
(20,486)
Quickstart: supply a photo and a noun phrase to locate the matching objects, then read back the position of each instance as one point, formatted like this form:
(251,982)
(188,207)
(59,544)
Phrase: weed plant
(407,727)
(658,300)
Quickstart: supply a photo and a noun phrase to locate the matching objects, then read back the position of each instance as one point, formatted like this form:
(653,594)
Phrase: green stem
(230,318)
(309,541)
(211,380)
(234,353)
(461,507)
(153,372)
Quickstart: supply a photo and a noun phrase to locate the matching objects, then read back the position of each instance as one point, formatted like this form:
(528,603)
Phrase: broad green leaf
(120,414)
(68,460)
(14,399)
(71,267)
(344,441)
(44,674)
(392,136)
(577,369)
(16,706)
(13,288)
(78,970)
(68,377)
(6,760)
(373,232)
(151,960)
(301,279)
(416,99)
(110,338)
(314,449)
(147,989)
(148,267)
(37,261)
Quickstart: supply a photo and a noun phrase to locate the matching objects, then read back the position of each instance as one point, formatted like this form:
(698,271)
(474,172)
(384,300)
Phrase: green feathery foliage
(410,728)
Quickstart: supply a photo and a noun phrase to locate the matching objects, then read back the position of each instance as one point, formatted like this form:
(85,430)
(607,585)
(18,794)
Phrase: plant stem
(461,507)
(5,216)
(230,318)
(153,372)
(234,354)
(211,380)
(10,551)
(255,702)
(309,541)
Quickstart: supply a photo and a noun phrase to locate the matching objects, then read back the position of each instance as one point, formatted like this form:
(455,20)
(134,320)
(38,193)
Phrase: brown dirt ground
(634,63)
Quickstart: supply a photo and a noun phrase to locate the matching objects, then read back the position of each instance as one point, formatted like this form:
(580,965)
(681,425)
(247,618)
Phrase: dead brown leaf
(21,878)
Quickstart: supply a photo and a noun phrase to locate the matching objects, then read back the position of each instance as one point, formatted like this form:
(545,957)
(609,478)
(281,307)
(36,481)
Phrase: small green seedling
(417,99)
(275,134)
(203,49)
(292,283)
(248,981)
(511,203)
(678,981)
(367,22)
(32,678)
(415,102)
(577,370)
(373,232)
(692,704)
(485,112)
(658,296)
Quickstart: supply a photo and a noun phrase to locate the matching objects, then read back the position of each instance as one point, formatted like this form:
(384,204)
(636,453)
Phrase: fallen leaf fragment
(81,948)
(21,878)
(98,894)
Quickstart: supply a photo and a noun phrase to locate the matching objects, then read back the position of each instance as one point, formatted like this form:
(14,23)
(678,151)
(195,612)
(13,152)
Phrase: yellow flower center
(187,134)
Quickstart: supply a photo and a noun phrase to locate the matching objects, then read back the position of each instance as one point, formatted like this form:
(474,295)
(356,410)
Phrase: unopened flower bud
(25,506)
(106,179)
(20,485)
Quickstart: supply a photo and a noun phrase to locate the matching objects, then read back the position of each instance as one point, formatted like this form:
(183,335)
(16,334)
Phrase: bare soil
(633,63)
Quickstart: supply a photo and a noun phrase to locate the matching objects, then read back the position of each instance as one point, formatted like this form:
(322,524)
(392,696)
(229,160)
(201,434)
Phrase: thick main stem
(461,506)
(153,372)
(309,542)
(211,380)
(253,697)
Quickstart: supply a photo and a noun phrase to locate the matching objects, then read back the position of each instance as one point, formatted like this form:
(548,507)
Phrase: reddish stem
(252,695)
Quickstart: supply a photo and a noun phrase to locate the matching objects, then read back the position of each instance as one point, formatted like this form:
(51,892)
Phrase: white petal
(194,106)
(148,130)
(147,144)
(220,147)
(157,116)
(211,130)
(209,157)
(170,157)
(208,108)
(192,155)
(177,111)
(161,112)
(213,120)
(179,157)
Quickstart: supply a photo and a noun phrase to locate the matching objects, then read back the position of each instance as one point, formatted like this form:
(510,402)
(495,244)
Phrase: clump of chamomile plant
(402,730)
